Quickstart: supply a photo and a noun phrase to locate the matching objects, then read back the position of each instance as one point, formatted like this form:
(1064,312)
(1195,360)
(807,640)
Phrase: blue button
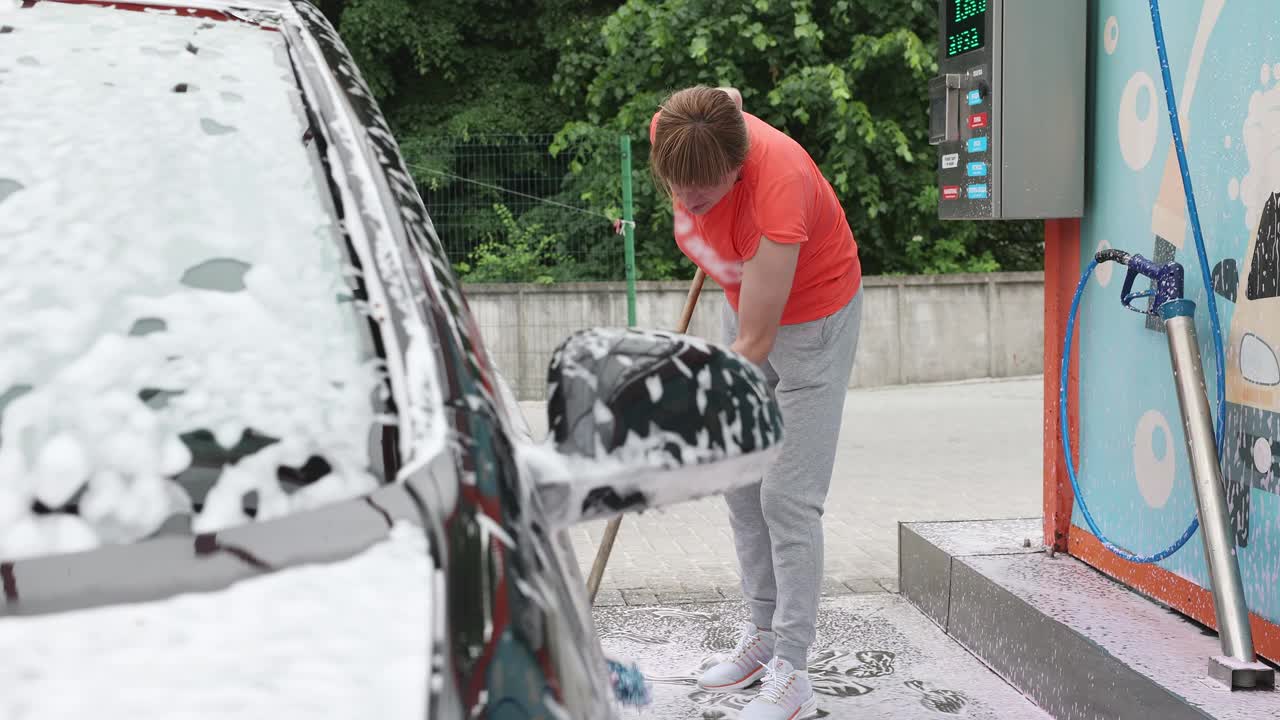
(975,97)
(977,192)
(976,169)
(978,144)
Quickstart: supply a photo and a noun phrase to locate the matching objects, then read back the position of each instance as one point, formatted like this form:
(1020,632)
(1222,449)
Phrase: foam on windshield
(163,228)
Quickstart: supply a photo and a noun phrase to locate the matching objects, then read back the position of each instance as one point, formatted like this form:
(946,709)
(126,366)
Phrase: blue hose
(1066,444)
(1176,126)
(1213,320)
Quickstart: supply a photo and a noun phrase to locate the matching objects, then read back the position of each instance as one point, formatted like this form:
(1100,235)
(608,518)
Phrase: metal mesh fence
(525,208)
(533,208)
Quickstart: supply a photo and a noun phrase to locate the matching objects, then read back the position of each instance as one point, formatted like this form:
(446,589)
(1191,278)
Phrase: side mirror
(643,419)
(1226,279)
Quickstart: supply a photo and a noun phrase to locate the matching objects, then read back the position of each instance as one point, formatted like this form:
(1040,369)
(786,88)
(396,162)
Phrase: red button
(951,192)
(978,121)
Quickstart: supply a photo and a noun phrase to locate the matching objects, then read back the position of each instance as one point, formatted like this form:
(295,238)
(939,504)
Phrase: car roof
(284,8)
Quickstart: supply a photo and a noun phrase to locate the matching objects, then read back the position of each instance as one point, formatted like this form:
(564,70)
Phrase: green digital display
(965,9)
(966,25)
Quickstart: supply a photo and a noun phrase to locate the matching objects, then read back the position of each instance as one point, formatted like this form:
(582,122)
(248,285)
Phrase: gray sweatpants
(777,523)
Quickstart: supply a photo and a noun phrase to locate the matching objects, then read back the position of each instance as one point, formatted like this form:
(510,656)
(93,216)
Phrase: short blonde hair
(700,138)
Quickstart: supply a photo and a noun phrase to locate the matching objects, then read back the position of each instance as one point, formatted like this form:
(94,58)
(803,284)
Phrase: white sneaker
(786,695)
(742,666)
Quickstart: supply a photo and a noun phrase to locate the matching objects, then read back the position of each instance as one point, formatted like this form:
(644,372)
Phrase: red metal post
(1061,273)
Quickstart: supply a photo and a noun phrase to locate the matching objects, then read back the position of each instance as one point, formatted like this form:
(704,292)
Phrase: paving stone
(832,588)
(730,592)
(905,454)
(608,597)
(863,585)
(639,597)
(875,656)
(686,597)
(890,584)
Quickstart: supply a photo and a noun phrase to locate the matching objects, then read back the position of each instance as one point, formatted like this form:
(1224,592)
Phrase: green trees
(846,78)
(524,254)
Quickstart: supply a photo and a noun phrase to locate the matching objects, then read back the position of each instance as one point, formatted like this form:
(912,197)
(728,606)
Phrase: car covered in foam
(254,459)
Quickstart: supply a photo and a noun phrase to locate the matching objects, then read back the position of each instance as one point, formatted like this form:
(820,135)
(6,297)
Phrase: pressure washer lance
(1239,668)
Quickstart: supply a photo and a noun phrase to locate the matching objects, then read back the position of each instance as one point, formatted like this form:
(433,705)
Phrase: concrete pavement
(924,452)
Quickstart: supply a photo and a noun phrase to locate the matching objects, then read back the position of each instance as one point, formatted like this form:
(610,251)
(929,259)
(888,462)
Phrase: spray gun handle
(1146,268)
(1138,265)
(1167,279)
(1111,255)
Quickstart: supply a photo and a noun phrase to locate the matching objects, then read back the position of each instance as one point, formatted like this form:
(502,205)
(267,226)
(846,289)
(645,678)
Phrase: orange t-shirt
(782,195)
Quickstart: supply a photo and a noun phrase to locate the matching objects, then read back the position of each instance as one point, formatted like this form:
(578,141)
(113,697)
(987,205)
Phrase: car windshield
(184,342)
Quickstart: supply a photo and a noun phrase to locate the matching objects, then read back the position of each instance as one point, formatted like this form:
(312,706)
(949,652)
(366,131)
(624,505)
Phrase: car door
(516,623)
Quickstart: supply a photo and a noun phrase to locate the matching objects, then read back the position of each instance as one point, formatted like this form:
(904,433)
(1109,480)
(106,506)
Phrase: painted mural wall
(1224,58)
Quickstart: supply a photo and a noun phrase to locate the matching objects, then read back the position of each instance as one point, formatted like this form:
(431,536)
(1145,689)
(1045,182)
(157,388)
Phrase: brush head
(629,685)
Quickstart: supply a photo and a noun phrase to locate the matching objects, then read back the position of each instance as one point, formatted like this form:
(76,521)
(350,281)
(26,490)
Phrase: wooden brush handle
(691,302)
(596,575)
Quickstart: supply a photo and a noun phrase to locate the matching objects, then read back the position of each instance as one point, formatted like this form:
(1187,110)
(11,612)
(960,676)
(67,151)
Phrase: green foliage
(523,253)
(461,68)
(846,78)
(948,255)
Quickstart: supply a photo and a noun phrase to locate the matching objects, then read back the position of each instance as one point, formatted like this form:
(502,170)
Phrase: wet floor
(876,656)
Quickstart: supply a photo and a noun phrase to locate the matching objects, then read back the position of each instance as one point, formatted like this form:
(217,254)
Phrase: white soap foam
(335,640)
(1262,147)
(139,203)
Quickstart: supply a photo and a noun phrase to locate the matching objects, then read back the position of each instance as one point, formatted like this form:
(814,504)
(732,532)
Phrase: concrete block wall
(915,329)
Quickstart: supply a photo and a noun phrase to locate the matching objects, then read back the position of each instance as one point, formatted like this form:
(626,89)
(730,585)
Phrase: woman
(753,210)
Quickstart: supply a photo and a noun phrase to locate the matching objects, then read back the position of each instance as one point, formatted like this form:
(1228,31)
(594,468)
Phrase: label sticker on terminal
(976,169)
(975,97)
(950,192)
(977,192)
(977,144)
(950,160)
(977,120)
